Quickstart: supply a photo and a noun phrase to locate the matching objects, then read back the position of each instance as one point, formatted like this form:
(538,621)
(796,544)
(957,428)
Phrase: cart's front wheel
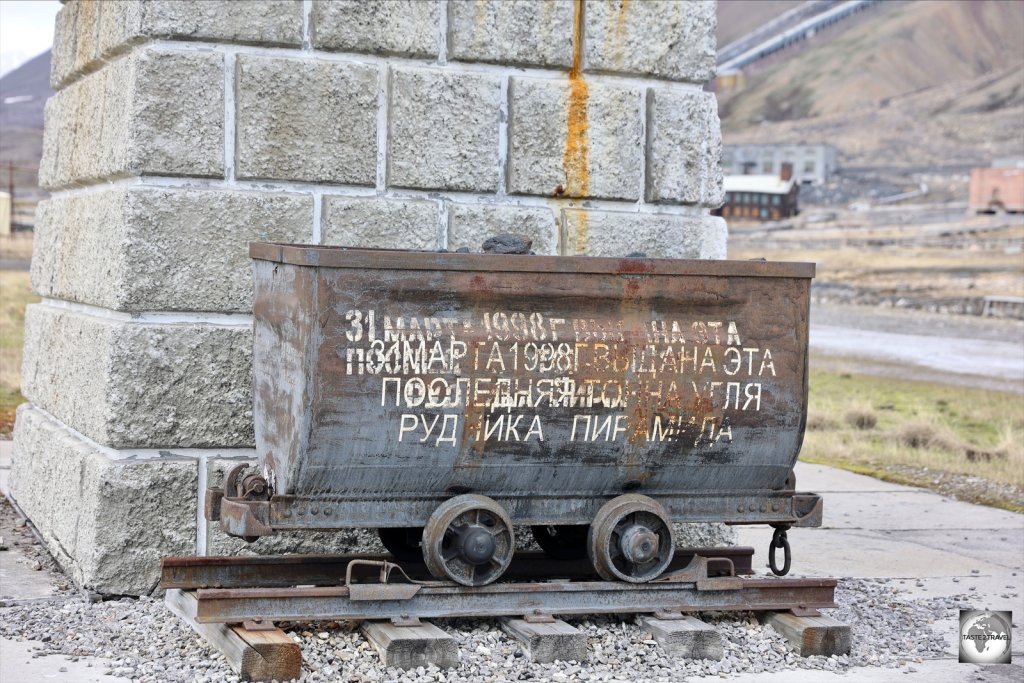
(631,539)
(468,539)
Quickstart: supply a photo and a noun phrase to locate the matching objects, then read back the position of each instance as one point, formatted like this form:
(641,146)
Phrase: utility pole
(10,191)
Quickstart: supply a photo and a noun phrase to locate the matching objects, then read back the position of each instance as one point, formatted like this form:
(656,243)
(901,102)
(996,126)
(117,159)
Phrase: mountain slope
(736,18)
(903,48)
(23,94)
(919,84)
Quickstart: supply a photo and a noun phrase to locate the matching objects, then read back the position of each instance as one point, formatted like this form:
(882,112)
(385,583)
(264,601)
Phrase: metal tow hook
(779,540)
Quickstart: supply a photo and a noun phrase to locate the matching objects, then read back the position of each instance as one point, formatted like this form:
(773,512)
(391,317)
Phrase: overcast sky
(26,30)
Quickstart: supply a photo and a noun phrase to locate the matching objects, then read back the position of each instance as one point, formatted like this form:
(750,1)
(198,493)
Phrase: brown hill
(23,94)
(736,18)
(918,84)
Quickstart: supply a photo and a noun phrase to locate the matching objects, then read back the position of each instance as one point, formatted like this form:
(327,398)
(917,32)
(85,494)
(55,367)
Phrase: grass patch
(15,294)
(919,433)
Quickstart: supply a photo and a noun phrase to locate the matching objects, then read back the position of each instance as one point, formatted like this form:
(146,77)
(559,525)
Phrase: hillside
(736,18)
(23,94)
(919,84)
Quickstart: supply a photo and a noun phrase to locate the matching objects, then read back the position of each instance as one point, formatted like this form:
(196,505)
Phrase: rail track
(235,602)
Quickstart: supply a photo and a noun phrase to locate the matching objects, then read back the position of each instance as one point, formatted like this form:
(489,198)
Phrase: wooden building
(760,197)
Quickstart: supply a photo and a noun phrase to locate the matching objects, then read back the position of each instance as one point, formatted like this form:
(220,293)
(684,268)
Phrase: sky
(26,30)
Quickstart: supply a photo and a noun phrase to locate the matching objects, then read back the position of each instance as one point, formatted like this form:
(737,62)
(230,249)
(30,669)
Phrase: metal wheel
(563,541)
(469,540)
(403,542)
(631,539)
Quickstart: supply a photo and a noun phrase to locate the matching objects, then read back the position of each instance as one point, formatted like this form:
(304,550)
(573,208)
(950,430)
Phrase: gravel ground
(147,643)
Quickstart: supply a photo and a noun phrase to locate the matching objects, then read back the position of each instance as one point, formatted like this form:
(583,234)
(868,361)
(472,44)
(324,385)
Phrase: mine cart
(443,398)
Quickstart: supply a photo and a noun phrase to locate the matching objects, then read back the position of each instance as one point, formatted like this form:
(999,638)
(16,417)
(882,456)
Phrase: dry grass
(15,294)
(17,247)
(861,418)
(922,271)
(930,427)
(820,422)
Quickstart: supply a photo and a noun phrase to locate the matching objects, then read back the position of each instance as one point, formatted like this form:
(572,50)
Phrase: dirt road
(953,349)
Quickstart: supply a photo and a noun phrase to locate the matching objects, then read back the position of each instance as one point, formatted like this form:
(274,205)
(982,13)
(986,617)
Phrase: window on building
(777,200)
(766,166)
(809,166)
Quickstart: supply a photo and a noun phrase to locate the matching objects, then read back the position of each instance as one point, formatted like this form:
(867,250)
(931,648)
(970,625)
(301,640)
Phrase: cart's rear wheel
(563,541)
(631,539)
(403,542)
(468,539)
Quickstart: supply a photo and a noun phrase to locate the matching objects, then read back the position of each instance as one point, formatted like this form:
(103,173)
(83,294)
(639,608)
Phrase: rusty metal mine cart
(443,398)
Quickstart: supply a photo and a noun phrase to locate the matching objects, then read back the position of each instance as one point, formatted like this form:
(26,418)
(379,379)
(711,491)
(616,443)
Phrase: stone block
(443,130)
(292,542)
(388,27)
(123,23)
(156,112)
(306,119)
(64,53)
(684,148)
(160,249)
(75,43)
(127,384)
(613,233)
(108,522)
(519,32)
(380,223)
(470,225)
(662,38)
(585,138)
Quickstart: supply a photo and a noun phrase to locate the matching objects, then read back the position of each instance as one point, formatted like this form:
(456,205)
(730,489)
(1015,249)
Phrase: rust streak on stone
(576,158)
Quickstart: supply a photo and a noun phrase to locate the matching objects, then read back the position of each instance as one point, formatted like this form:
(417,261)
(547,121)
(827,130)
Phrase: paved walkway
(931,546)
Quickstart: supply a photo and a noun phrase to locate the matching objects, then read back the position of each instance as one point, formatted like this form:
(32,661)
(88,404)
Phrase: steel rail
(280,571)
(440,600)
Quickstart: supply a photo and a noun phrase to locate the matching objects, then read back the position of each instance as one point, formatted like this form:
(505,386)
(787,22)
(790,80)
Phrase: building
(997,189)
(5,214)
(812,164)
(760,197)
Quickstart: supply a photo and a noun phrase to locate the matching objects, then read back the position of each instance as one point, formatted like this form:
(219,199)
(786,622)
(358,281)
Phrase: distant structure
(761,197)
(789,28)
(999,188)
(812,164)
(5,214)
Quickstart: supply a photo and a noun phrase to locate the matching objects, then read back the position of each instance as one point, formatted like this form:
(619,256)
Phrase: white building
(812,164)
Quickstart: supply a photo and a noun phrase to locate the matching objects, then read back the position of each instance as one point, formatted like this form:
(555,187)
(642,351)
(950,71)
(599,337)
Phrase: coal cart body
(388,383)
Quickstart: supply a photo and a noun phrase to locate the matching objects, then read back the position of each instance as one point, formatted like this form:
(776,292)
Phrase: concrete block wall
(182,129)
